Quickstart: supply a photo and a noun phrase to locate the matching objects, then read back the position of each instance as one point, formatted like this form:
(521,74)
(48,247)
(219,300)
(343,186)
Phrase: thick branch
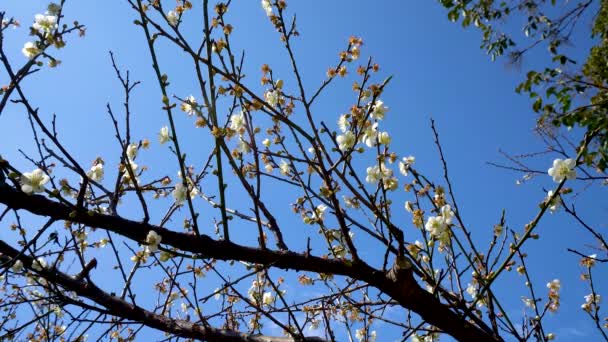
(120,308)
(399,285)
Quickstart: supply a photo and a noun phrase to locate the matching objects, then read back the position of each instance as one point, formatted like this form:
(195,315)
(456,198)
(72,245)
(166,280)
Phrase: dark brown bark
(399,284)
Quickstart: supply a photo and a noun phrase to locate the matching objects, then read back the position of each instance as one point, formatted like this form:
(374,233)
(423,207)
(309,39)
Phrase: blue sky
(438,71)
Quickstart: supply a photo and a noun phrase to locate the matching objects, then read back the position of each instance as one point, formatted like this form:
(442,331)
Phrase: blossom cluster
(554,299)
(438,226)
(591,301)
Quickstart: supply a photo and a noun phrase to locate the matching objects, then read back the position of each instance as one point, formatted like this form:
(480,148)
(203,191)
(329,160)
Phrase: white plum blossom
(377,172)
(562,169)
(437,227)
(132,151)
(189,105)
(39,264)
(266,142)
(44,24)
(378,110)
(360,334)
(172,18)
(351,202)
(32,182)
(267,7)
(237,122)
(384,138)
(343,123)
(346,140)
(319,212)
(194,192)
(529,302)
(17,266)
(268,168)
(554,285)
(447,213)
(370,135)
(284,167)
(408,207)
(472,291)
(243,146)
(267,298)
(152,241)
(30,50)
(390,184)
(96,172)
(179,193)
(163,135)
(272,97)
(590,301)
(405,164)
(555,203)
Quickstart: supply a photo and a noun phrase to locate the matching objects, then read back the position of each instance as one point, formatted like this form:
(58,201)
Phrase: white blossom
(554,285)
(17,266)
(179,193)
(164,136)
(562,169)
(96,172)
(351,202)
(408,207)
(384,138)
(319,212)
(132,151)
(284,167)
(152,241)
(370,135)
(378,110)
(30,50)
(360,334)
(343,123)
(437,227)
(390,184)
(555,203)
(267,298)
(32,182)
(267,7)
(529,302)
(377,172)
(346,140)
(405,163)
(44,24)
(189,105)
(272,97)
(266,142)
(243,146)
(447,214)
(590,301)
(39,264)
(237,122)
(172,18)
(373,175)
(472,291)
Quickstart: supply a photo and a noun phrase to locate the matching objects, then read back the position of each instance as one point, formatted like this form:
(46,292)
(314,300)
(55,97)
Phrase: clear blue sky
(439,71)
